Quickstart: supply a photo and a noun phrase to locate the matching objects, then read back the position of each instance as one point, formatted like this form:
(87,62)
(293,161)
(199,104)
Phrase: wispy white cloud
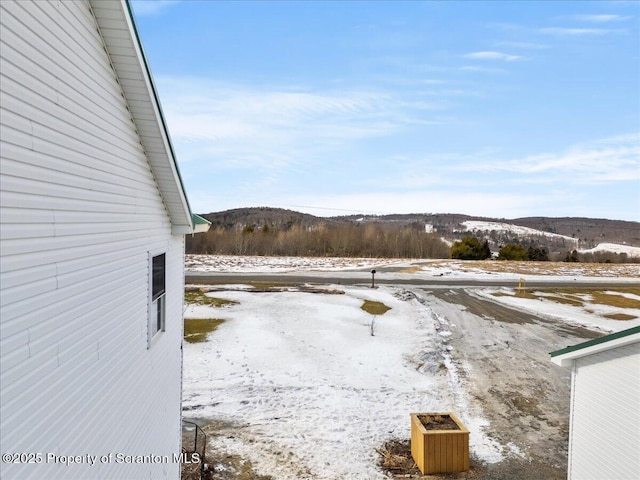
(504,26)
(492,56)
(238,127)
(564,31)
(608,160)
(151,7)
(223,112)
(592,30)
(524,45)
(598,18)
(482,69)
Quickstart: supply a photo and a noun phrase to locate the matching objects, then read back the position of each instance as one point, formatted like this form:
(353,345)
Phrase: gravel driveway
(500,358)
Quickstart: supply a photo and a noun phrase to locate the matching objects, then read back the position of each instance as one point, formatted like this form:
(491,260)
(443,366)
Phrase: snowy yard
(295,382)
(301,374)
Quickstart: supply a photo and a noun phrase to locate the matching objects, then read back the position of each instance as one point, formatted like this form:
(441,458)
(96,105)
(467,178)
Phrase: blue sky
(501,109)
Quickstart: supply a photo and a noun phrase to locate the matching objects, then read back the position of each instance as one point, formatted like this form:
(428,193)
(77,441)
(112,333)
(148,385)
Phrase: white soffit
(118,31)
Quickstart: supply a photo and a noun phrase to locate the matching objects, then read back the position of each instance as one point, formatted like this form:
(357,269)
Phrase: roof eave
(117,25)
(200,225)
(566,356)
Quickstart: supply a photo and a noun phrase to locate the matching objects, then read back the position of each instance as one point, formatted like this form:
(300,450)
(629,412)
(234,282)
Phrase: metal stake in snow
(373,282)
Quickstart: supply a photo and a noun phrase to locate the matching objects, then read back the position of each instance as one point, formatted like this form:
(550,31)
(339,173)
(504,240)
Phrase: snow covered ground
(310,392)
(396,268)
(239,264)
(295,382)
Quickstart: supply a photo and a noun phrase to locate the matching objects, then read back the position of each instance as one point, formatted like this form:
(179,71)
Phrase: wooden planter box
(439,451)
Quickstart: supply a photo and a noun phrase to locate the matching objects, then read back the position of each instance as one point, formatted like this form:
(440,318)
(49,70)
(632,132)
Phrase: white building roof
(118,31)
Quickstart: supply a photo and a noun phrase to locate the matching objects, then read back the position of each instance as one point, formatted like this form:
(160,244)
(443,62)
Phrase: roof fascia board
(157,106)
(566,356)
(181,218)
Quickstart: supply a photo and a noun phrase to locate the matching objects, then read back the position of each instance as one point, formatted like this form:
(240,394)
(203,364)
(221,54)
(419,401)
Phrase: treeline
(471,248)
(323,240)
(597,257)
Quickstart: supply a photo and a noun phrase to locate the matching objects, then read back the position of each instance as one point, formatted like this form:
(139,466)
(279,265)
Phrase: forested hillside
(275,231)
(323,239)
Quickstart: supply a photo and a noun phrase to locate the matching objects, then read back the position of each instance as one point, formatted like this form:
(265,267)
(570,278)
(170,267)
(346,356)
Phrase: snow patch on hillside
(480,226)
(614,248)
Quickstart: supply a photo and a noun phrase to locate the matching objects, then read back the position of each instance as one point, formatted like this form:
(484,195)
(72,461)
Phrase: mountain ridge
(586,232)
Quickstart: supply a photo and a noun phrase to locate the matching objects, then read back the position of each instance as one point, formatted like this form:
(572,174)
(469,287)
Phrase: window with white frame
(157,305)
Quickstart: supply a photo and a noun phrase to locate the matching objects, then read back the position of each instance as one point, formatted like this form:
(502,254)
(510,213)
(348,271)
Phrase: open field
(448,268)
(555,269)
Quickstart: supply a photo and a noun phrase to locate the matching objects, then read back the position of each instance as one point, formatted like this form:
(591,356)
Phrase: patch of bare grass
(522,293)
(199,297)
(567,300)
(519,293)
(577,297)
(197,330)
(614,300)
(620,316)
(374,308)
(609,297)
(412,269)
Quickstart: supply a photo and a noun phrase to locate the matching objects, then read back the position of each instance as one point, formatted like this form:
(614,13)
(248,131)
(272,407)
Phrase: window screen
(158,277)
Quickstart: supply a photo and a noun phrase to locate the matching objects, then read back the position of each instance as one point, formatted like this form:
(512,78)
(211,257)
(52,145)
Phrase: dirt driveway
(500,357)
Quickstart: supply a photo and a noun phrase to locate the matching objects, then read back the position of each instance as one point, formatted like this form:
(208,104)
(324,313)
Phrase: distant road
(364,278)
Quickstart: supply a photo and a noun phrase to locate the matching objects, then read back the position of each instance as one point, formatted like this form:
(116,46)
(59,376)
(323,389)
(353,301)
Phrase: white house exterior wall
(605,441)
(80,212)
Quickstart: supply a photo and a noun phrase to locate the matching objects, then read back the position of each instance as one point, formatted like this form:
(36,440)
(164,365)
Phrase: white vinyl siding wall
(80,212)
(605,441)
